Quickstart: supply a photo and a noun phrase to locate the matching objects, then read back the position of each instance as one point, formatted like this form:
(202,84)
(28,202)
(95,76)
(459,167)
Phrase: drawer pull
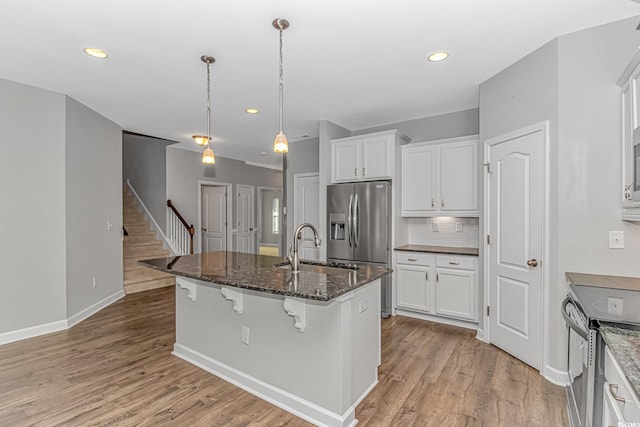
(412,259)
(613,389)
(454,263)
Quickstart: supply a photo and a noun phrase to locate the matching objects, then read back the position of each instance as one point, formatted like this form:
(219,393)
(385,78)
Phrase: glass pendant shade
(281,145)
(200,139)
(207,156)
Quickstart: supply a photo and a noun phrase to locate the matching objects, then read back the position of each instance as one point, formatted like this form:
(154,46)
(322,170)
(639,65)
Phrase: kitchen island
(308,342)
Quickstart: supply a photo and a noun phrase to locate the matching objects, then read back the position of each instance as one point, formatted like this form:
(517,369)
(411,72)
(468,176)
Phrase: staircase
(141,243)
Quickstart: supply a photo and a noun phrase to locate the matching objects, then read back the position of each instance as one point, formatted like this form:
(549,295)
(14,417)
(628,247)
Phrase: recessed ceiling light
(95,52)
(264,153)
(251,110)
(438,56)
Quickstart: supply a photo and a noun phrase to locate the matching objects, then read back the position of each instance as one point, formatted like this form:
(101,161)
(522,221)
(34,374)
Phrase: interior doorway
(306,190)
(246,216)
(269,221)
(214,216)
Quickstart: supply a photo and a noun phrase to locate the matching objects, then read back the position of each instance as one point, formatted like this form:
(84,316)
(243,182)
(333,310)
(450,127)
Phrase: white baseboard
(60,325)
(480,336)
(283,399)
(437,319)
(90,311)
(32,331)
(555,376)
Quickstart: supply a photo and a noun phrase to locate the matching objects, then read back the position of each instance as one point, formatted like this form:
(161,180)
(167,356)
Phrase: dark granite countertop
(603,281)
(624,344)
(315,281)
(450,250)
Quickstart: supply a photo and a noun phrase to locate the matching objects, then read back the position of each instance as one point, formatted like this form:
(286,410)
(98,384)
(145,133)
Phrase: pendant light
(208,157)
(280,145)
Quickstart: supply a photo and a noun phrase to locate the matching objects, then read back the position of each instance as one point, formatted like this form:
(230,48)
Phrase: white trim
(545,370)
(480,336)
(93,309)
(436,319)
(60,325)
(467,138)
(555,376)
(229,189)
(154,224)
(264,165)
(281,398)
(32,331)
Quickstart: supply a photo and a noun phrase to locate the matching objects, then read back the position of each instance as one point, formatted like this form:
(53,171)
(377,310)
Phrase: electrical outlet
(458,226)
(614,305)
(94,282)
(434,226)
(364,305)
(109,226)
(245,335)
(616,239)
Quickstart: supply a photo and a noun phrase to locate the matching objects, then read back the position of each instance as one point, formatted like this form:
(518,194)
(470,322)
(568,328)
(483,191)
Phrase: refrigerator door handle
(349,219)
(356,223)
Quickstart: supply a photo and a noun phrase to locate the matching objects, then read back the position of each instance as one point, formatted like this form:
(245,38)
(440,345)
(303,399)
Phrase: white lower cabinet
(620,403)
(444,285)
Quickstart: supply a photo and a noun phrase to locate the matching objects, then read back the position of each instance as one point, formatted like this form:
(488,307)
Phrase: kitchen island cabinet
(308,342)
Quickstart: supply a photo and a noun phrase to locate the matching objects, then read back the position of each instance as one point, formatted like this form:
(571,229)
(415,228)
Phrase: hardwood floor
(115,369)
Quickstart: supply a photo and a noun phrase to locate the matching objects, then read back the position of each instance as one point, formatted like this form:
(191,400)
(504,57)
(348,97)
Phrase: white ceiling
(358,63)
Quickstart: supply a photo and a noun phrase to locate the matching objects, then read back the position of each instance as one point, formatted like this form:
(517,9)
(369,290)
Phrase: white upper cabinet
(630,173)
(440,178)
(364,157)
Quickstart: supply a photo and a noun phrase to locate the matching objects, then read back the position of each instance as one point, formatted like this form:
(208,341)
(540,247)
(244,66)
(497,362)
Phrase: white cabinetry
(443,285)
(620,403)
(440,178)
(630,174)
(364,157)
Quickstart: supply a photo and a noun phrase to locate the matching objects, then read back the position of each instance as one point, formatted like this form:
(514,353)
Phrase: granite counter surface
(603,281)
(449,250)
(314,281)
(625,347)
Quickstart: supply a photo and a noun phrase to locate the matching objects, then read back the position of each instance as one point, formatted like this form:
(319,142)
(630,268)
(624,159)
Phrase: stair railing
(179,232)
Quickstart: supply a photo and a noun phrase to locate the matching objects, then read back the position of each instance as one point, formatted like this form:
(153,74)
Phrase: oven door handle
(572,323)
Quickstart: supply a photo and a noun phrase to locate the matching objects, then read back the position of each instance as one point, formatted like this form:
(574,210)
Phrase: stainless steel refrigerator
(359,227)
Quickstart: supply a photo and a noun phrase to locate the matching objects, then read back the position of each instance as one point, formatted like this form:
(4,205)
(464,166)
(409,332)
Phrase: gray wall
(144,164)
(451,125)
(185,169)
(301,158)
(32,218)
(93,187)
(58,193)
(569,83)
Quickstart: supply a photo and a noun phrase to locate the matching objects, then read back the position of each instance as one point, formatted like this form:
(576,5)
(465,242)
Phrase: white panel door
(458,176)
(516,208)
(376,157)
(418,180)
(345,161)
(214,218)
(245,213)
(306,209)
(412,283)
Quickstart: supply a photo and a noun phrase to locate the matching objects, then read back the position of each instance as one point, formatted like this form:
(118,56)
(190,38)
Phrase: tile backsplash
(444,231)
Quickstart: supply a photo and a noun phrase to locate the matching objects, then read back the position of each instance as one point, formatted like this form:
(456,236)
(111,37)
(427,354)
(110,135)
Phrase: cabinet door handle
(442,203)
(613,389)
(427,275)
(355,171)
(412,259)
(437,277)
(363,174)
(454,263)
(433,203)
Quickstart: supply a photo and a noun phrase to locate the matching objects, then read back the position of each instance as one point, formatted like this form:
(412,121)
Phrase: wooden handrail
(189,228)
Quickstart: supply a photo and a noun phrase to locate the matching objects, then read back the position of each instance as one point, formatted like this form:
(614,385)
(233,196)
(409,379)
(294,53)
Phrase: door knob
(204,229)
(532,263)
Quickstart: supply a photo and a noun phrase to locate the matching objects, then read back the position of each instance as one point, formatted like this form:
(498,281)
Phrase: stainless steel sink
(319,268)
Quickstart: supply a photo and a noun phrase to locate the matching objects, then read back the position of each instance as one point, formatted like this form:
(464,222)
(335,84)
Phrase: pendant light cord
(281,85)
(208,104)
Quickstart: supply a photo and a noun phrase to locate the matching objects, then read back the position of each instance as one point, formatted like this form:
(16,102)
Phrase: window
(275,210)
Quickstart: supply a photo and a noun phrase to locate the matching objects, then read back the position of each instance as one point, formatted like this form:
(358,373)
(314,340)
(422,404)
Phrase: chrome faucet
(293,251)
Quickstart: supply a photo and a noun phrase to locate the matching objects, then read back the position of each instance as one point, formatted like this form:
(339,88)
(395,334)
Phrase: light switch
(616,239)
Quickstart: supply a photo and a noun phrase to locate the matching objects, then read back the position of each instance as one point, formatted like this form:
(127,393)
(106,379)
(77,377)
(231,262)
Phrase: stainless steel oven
(582,365)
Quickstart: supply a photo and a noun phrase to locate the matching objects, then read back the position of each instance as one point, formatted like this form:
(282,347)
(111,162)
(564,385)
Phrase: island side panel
(320,365)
